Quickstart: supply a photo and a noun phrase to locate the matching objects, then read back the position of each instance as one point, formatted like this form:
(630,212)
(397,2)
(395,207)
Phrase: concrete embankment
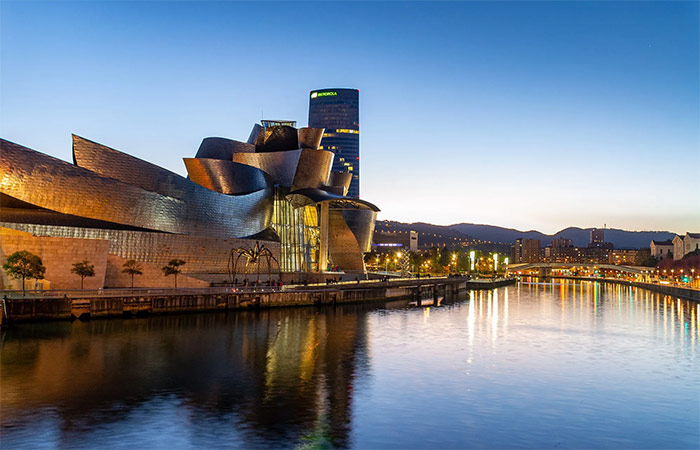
(104,304)
(666,289)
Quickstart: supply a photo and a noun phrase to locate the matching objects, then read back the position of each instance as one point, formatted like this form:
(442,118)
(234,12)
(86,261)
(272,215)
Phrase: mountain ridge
(623,239)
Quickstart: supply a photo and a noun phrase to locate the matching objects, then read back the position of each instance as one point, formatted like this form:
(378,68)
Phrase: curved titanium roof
(279,138)
(296,169)
(222,148)
(226,177)
(310,137)
(303,197)
(341,180)
(131,192)
(254,134)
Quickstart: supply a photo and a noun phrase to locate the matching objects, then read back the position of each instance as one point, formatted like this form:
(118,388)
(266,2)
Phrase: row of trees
(26,265)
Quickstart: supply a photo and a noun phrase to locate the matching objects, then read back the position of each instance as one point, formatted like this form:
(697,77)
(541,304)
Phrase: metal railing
(135,292)
(146,292)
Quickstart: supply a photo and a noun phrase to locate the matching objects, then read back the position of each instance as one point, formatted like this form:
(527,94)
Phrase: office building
(338,112)
(525,251)
(598,240)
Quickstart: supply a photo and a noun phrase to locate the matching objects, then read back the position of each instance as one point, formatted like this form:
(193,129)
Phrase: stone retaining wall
(27,309)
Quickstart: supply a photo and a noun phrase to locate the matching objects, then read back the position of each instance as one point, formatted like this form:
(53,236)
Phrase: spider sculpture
(252,256)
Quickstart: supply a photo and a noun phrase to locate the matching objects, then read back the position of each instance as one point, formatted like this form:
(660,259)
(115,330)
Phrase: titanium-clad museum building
(277,188)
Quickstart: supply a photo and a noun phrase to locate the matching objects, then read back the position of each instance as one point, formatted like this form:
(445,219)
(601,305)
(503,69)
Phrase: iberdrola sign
(323,94)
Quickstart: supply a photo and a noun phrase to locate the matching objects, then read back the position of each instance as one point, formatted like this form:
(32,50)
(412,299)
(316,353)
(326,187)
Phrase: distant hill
(490,233)
(619,238)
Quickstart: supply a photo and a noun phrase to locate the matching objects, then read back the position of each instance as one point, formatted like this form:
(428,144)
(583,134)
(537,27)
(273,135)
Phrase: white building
(678,247)
(413,242)
(661,249)
(682,245)
(691,242)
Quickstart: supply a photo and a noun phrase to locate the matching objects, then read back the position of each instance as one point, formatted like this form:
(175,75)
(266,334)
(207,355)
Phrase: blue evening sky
(526,114)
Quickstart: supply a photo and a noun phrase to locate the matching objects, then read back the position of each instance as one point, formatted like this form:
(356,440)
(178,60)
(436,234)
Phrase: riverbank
(675,291)
(120,303)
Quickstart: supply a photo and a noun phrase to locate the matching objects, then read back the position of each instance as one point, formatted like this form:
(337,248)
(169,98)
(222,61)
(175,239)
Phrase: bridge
(545,268)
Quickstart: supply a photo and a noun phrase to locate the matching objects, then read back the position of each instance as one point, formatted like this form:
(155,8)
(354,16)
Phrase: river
(564,364)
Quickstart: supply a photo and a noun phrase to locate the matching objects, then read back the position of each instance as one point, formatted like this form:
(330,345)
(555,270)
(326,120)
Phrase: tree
(173,268)
(133,268)
(445,259)
(83,269)
(644,258)
(24,264)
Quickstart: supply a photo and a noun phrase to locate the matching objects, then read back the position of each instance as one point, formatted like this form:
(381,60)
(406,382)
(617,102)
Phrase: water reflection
(284,376)
(561,363)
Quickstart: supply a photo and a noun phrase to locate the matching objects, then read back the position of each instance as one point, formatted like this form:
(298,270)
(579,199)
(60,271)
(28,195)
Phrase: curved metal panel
(344,249)
(172,204)
(255,135)
(53,184)
(305,197)
(281,166)
(341,179)
(40,216)
(313,169)
(335,190)
(222,148)
(279,138)
(226,177)
(310,137)
(361,222)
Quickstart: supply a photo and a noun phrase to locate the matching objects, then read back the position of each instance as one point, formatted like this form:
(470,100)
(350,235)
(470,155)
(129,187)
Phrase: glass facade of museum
(299,233)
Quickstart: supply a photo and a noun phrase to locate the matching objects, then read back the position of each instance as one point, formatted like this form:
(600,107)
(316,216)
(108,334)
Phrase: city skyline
(537,115)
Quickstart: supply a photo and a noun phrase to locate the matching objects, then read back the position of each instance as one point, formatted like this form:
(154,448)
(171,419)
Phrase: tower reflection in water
(278,376)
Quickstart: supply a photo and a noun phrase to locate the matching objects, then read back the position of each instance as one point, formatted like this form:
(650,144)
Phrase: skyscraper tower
(338,111)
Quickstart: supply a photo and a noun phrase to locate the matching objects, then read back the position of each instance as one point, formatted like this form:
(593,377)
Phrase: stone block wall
(152,276)
(58,255)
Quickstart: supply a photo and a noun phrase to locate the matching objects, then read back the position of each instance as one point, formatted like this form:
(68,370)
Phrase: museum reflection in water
(290,376)
(282,373)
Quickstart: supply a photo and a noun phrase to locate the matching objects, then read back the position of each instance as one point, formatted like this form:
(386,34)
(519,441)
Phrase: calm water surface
(559,365)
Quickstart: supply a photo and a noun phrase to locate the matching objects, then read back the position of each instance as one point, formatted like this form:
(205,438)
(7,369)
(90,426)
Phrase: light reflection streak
(505,307)
(488,304)
(595,298)
(494,317)
(665,318)
(470,320)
